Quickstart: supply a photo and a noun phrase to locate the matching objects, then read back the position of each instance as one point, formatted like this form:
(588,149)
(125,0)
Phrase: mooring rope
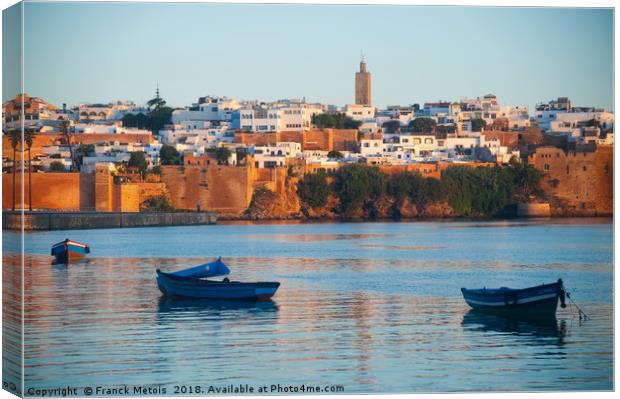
(581,312)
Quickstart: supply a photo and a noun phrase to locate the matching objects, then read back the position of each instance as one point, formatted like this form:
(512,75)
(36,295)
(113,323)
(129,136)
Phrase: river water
(372,307)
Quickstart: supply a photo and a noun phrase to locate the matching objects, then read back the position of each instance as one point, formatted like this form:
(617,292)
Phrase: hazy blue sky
(90,52)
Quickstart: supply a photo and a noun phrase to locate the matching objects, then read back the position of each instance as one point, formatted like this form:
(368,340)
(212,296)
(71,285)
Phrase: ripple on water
(395,324)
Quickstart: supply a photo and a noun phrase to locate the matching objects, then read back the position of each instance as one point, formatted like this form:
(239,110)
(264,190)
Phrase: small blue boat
(68,250)
(541,300)
(194,283)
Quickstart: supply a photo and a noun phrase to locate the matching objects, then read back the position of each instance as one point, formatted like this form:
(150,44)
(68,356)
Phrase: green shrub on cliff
(486,191)
(355,184)
(156,204)
(313,189)
(418,189)
(469,191)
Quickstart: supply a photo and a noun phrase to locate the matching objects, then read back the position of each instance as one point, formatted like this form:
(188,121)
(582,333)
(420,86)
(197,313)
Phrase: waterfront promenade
(12,220)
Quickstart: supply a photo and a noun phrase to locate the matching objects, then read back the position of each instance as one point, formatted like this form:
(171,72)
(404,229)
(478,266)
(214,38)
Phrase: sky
(102,52)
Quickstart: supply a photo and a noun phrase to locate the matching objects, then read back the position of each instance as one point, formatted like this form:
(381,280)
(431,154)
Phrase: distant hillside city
(221,154)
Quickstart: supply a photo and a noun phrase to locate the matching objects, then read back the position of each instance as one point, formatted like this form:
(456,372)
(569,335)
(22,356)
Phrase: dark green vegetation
(422,125)
(138,160)
(57,166)
(483,191)
(168,155)
(313,189)
(336,120)
(335,155)
(156,204)
(478,124)
(158,116)
(221,155)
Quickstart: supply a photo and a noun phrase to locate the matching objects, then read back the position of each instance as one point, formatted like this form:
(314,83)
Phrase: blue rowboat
(194,283)
(68,250)
(539,300)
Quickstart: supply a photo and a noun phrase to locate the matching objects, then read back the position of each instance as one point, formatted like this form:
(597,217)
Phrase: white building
(111,111)
(277,117)
(370,147)
(360,113)
(207,109)
(114,128)
(195,132)
(275,155)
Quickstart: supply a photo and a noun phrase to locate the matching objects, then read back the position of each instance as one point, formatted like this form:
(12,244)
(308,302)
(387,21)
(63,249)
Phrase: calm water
(374,307)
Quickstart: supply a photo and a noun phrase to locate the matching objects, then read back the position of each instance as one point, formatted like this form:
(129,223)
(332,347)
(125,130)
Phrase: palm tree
(29,136)
(66,134)
(15,137)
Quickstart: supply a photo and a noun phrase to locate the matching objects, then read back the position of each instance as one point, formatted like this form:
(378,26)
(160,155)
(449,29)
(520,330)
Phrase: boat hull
(66,251)
(540,300)
(189,287)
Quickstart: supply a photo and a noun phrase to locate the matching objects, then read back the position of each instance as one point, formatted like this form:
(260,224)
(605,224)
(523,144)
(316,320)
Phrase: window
(428,141)
(546,166)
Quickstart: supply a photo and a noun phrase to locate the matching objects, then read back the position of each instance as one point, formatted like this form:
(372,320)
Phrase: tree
(445,129)
(143,121)
(391,126)
(57,166)
(138,160)
(29,135)
(84,150)
(323,120)
(222,154)
(156,102)
(168,155)
(66,135)
(478,124)
(335,155)
(355,184)
(129,120)
(313,189)
(15,137)
(159,117)
(422,125)
(336,120)
(159,114)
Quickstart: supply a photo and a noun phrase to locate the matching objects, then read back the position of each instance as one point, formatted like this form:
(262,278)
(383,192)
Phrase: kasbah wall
(220,188)
(60,191)
(73,192)
(576,183)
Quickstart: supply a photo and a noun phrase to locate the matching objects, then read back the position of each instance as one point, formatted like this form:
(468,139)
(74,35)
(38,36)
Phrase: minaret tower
(362,84)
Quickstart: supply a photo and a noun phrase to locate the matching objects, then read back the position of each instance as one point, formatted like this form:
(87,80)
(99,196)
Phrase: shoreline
(49,221)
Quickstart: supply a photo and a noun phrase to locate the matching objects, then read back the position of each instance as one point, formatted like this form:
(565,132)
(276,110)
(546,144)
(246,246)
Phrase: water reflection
(317,237)
(344,314)
(535,329)
(172,305)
